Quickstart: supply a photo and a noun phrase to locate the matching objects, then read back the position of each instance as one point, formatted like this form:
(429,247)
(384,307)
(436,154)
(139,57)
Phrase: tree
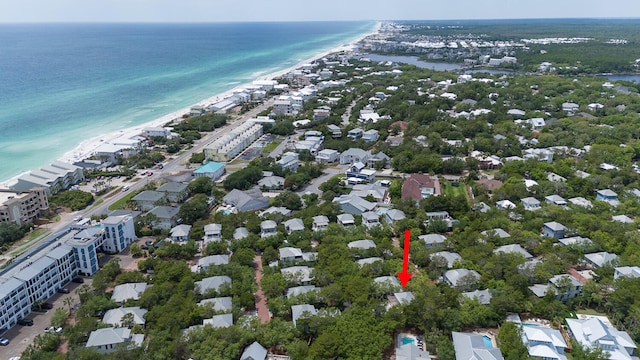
(194,209)
(201,185)
(10,232)
(288,199)
(510,342)
(68,301)
(136,250)
(127,320)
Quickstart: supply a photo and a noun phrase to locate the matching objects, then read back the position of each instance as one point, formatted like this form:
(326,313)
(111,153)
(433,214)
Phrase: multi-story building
(54,178)
(119,233)
(227,147)
(22,207)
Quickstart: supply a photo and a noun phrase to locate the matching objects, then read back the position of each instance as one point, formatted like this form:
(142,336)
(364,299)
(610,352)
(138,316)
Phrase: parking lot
(22,336)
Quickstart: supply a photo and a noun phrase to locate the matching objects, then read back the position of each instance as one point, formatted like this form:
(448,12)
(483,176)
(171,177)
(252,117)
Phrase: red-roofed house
(420,186)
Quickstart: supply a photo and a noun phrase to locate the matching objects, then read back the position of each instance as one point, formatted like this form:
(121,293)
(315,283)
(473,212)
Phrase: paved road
(313,186)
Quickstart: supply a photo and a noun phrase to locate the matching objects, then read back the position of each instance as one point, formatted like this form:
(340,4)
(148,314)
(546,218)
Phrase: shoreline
(85,149)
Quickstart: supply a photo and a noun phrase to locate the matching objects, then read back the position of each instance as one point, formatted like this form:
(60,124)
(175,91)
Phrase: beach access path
(261,301)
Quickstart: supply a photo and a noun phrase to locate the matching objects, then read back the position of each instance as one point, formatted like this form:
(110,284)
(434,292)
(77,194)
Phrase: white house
(108,340)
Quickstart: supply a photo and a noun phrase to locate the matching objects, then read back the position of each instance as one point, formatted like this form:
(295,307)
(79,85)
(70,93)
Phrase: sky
(12,11)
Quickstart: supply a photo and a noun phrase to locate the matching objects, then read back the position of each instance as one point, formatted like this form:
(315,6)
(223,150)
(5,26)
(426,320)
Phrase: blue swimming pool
(487,341)
(407,340)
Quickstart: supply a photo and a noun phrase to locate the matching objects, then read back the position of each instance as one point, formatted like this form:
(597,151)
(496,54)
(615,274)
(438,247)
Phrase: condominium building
(229,146)
(22,207)
(54,177)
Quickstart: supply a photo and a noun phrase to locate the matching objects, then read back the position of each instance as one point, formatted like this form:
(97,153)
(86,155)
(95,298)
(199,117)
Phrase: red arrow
(405,275)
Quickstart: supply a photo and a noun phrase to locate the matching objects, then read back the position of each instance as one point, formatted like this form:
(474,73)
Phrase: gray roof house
(320,222)
(449,257)
(557,286)
(354,155)
(292,225)
(268,228)
(124,292)
(299,290)
(530,203)
(390,283)
(254,351)
(108,340)
(271,183)
(219,321)
(597,331)
(298,274)
(246,200)
(290,254)
(601,259)
(553,230)
(212,232)
(219,303)
(513,249)
(174,191)
(580,201)
(212,283)
(626,271)
(362,244)
(368,261)
(394,215)
(167,216)
(180,233)
(354,205)
(211,260)
(453,277)
(496,232)
(147,199)
(302,311)
(370,219)
(483,296)
(114,316)
(240,233)
(544,343)
(346,220)
(472,347)
(433,240)
(555,200)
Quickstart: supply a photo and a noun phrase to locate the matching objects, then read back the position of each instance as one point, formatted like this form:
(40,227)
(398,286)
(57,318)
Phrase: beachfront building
(36,276)
(55,177)
(156,132)
(21,207)
(227,147)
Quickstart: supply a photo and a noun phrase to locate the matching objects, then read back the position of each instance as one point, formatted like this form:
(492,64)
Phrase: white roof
(128,291)
(114,316)
(362,244)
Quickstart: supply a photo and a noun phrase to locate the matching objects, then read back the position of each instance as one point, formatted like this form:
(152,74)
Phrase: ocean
(61,84)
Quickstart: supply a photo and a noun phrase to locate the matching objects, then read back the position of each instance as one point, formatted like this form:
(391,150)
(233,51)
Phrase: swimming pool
(487,341)
(407,340)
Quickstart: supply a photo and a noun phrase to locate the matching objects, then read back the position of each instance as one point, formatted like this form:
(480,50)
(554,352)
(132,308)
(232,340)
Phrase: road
(313,186)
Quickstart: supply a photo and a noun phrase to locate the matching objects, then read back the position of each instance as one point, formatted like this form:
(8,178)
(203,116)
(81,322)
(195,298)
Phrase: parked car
(63,291)
(4,341)
(78,280)
(27,322)
(52,329)
(47,306)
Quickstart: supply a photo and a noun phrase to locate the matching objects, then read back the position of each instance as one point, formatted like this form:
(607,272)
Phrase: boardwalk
(261,301)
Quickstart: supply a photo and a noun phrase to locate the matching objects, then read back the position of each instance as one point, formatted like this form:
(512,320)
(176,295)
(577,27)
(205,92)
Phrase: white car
(52,329)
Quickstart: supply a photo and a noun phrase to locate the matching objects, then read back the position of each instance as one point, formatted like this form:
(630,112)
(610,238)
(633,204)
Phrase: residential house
(302,311)
(166,217)
(354,205)
(370,219)
(570,107)
(410,351)
(301,275)
(513,249)
(354,155)
(394,215)
(377,190)
(240,233)
(255,351)
(155,131)
(346,220)
(622,218)
(449,257)
(433,240)
(114,316)
(210,261)
(268,228)
(626,271)
(335,131)
(440,215)
(321,113)
(498,232)
(595,106)
(211,169)
(128,291)
(609,196)
(564,286)
(292,225)
(289,255)
(469,346)
(275,210)
(362,244)
(320,223)
(180,233)
(389,284)
(553,230)
(553,177)
(544,343)
(219,321)
(175,192)
(300,290)
(420,186)
(246,200)
(355,134)
(580,201)
(220,304)
(505,205)
(575,241)
(460,278)
(601,259)
(289,161)
(556,200)
(370,135)
(327,156)
(530,203)
(270,183)
(212,232)
(593,331)
(357,174)
(148,199)
(108,340)
(483,296)
(379,160)
(215,283)
(368,261)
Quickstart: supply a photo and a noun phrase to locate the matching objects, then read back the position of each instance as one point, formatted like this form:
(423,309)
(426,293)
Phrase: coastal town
(270,223)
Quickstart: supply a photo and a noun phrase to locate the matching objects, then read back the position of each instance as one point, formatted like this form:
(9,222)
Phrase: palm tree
(69,302)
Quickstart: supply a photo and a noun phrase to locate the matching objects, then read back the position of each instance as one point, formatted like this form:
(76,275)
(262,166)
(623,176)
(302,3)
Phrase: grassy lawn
(36,233)
(271,146)
(449,190)
(120,203)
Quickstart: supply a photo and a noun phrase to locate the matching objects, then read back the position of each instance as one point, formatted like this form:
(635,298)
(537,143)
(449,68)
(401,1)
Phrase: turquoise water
(61,84)
(487,341)
(407,340)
